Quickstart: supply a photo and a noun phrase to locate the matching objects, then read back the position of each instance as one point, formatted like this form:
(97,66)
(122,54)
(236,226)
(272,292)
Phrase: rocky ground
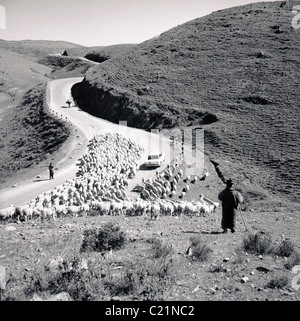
(229,273)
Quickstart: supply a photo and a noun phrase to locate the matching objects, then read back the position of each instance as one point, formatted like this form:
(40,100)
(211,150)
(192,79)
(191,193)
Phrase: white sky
(100,22)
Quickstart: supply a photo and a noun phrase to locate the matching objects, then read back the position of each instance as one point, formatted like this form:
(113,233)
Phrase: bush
(160,249)
(93,279)
(278,282)
(200,251)
(285,248)
(294,259)
(90,240)
(259,243)
(107,238)
(76,276)
(145,279)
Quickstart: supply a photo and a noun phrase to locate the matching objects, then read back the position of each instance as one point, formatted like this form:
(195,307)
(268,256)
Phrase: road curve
(87,126)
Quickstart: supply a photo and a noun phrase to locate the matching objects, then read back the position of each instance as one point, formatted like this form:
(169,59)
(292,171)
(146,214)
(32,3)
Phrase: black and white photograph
(149,153)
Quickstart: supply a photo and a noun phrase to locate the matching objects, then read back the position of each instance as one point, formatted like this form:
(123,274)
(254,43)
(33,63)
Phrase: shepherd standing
(51,171)
(230,200)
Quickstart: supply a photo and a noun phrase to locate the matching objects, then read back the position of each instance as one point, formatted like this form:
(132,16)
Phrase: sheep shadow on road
(143,167)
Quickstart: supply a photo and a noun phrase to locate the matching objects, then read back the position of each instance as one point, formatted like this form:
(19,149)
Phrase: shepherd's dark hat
(229,183)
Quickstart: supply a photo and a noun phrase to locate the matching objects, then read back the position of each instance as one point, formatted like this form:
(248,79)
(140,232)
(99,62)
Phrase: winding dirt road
(86,127)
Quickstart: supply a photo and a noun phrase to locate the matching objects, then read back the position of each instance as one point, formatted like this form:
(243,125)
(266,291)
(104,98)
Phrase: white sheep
(60,210)
(116,208)
(73,210)
(7,212)
(154,210)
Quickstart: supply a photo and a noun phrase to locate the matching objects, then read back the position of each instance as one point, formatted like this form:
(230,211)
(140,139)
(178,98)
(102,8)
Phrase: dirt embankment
(115,106)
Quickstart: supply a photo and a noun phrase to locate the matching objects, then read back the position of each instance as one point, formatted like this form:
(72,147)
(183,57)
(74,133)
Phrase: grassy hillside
(29,134)
(234,72)
(36,49)
(18,74)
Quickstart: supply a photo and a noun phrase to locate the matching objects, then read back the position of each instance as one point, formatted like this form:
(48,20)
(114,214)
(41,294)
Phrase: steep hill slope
(234,72)
(29,134)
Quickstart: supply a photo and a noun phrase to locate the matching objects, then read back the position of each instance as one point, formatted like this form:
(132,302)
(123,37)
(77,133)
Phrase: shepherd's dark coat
(51,172)
(230,200)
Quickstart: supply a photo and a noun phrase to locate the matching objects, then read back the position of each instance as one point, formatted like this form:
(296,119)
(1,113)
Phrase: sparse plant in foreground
(293,260)
(286,248)
(146,279)
(200,251)
(93,279)
(259,243)
(76,276)
(278,282)
(108,237)
(161,249)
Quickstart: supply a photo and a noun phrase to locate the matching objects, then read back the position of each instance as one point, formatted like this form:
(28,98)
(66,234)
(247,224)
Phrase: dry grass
(200,251)
(151,266)
(29,134)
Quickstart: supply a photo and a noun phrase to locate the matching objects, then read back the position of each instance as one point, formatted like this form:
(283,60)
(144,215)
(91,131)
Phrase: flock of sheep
(99,187)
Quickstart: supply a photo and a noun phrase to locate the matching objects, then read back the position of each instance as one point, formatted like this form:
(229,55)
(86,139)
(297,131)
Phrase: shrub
(294,259)
(259,243)
(285,248)
(153,277)
(160,249)
(146,279)
(278,282)
(90,240)
(108,237)
(200,251)
(76,276)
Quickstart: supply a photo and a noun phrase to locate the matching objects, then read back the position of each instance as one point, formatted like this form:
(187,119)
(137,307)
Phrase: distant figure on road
(230,200)
(68,102)
(51,171)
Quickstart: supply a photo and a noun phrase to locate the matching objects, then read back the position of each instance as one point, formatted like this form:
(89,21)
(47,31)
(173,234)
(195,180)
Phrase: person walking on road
(51,171)
(230,201)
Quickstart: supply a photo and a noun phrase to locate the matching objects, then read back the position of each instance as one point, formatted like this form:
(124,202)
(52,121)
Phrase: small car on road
(155,160)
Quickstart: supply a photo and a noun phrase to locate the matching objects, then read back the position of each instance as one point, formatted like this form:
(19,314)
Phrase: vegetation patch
(160,249)
(278,282)
(284,249)
(91,276)
(200,251)
(108,237)
(29,133)
(258,243)
(57,61)
(80,278)
(261,243)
